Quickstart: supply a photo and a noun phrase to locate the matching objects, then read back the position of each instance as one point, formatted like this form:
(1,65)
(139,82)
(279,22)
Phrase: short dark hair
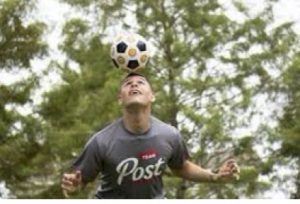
(131,74)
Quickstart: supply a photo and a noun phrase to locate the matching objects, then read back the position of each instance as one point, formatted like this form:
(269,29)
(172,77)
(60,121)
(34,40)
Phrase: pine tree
(289,122)
(20,42)
(207,72)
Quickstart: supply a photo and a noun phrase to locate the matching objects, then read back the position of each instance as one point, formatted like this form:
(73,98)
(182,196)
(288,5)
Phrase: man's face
(135,90)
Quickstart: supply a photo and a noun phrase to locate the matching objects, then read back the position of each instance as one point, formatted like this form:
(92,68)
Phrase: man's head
(135,89)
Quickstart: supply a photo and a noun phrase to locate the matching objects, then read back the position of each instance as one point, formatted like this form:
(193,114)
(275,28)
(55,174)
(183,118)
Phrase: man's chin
(134,104)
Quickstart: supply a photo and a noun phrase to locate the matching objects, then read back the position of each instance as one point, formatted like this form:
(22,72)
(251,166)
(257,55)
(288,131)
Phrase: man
(132,153)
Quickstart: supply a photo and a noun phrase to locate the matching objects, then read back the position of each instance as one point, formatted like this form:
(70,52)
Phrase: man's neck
(137,120)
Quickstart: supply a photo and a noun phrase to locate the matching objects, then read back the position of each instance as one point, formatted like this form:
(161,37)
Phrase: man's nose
(134,84)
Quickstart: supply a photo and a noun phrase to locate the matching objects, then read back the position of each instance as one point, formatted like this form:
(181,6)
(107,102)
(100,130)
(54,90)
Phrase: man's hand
(229,171)
(71,182)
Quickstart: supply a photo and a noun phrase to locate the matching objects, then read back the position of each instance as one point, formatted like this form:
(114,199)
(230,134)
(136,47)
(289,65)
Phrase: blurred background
(225,73)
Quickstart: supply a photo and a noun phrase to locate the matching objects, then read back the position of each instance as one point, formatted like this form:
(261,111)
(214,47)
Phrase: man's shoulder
(107,130)
(163,126)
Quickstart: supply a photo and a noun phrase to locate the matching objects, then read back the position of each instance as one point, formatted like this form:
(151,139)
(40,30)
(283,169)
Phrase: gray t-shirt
(131,166)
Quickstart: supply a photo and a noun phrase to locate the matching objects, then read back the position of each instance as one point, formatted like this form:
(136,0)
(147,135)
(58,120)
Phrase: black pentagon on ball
(141,45)
(121,47)
(132,64)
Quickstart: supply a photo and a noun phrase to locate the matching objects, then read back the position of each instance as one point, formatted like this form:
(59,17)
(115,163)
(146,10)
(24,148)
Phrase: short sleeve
(179,152)
(89,161)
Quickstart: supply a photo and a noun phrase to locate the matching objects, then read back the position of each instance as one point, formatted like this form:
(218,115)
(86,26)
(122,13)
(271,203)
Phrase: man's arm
(229,171)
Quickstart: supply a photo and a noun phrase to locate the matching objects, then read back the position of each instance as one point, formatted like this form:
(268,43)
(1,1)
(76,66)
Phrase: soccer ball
(130,52)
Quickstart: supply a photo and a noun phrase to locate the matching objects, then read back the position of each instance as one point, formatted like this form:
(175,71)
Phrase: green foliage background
(209,72)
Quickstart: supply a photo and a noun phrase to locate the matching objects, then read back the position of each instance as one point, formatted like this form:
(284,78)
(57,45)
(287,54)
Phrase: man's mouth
(134,92)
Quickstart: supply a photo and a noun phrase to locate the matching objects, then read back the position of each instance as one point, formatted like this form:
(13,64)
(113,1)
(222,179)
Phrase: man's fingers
(73,179)
(232,166)
(229,175)
(68,177)
(228,165)
(70,182)
(235,168)
(230,161)
(67,182)
(229,170)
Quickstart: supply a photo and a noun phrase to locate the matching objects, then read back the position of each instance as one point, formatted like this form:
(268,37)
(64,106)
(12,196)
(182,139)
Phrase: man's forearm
(193,172)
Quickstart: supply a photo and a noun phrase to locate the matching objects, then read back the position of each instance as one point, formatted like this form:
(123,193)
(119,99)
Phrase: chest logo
(130,167)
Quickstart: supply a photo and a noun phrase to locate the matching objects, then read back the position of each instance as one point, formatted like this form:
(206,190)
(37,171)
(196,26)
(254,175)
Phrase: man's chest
(137,161)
